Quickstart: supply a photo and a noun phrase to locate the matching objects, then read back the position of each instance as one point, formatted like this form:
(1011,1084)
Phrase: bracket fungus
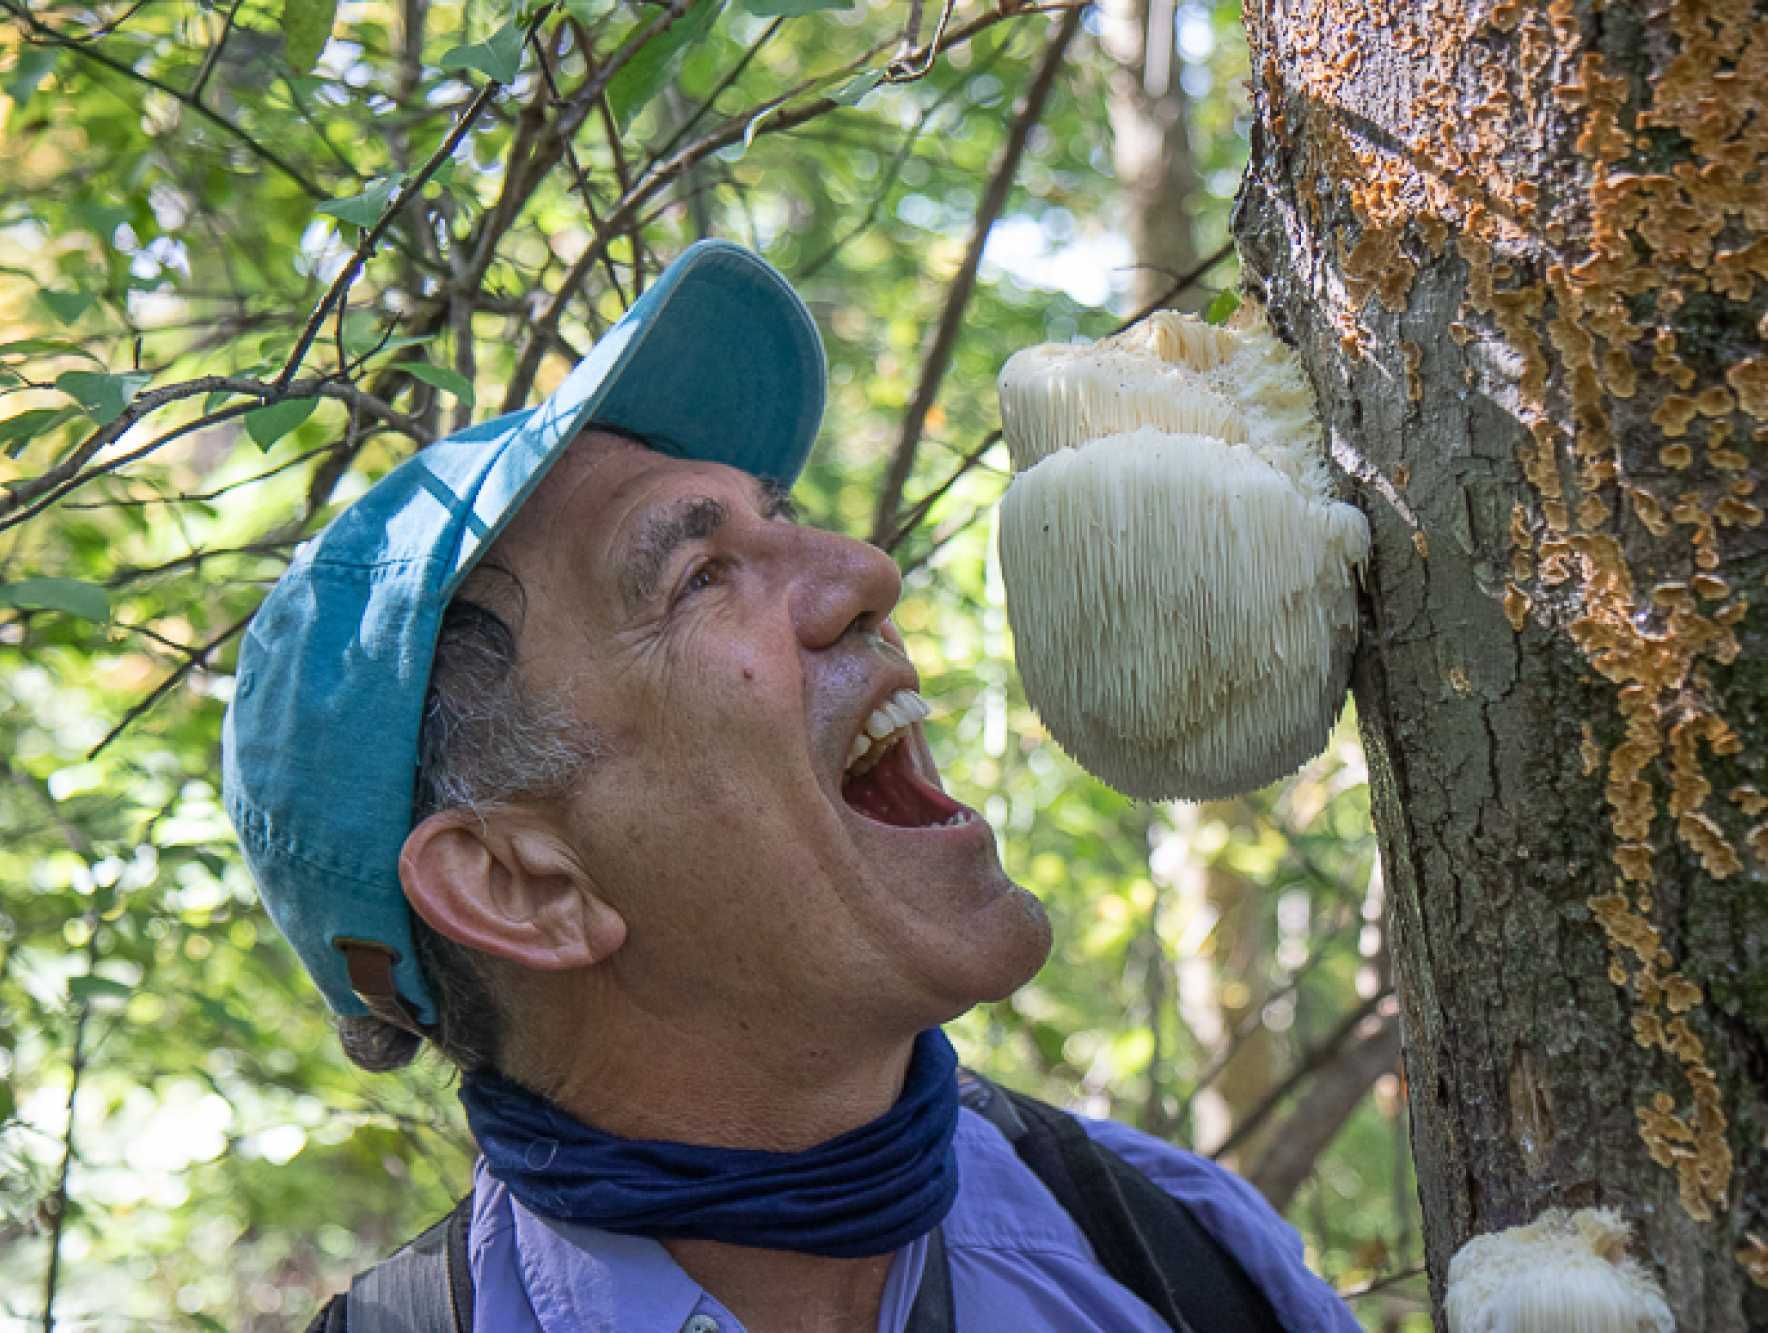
(1180,579)
(1562,1273)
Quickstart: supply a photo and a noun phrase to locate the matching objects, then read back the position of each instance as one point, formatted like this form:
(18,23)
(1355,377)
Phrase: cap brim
(718,361)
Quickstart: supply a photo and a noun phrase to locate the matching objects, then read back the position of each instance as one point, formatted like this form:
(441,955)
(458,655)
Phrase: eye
(704,575)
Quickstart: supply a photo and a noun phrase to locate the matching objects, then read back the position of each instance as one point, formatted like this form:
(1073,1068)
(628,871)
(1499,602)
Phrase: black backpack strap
(1145,1238)
(932,1311)
(333,1318)
(426,1286)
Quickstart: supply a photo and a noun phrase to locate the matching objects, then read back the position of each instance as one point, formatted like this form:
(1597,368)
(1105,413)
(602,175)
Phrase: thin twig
(1180,283)
(1255,1019)
(1387,1280)
(524,177)
(340,289)
(48,487)
(634,232)
(198,658)
(913,518)
(1316,1057)
(904,150)
(730,76)
(544,328)
(939,351)
(904,69)
(213,57)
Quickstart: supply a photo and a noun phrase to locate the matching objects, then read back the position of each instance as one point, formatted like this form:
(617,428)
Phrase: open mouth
(882,781)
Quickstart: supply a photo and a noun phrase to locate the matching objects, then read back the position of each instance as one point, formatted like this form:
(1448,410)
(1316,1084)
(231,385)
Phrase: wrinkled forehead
(590,515)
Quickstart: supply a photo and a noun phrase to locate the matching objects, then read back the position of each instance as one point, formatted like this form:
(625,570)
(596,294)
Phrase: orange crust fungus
(1663,208)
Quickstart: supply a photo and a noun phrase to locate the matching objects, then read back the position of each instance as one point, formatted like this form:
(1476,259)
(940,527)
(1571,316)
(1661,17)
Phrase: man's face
(728,658)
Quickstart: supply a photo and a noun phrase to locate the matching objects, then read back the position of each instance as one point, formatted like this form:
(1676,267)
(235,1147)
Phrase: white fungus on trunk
(1180,580)
(1562,1273)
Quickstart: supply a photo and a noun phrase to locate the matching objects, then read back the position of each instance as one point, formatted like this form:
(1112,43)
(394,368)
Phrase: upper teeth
(896,714)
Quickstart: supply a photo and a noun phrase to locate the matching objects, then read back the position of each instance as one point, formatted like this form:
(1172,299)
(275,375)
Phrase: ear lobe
(503,887)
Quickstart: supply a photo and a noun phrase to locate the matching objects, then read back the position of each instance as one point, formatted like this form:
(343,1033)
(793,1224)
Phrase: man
(568,750)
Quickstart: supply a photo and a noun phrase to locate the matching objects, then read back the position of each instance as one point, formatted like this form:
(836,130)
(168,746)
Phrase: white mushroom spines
(1562,1273)
(1179,579)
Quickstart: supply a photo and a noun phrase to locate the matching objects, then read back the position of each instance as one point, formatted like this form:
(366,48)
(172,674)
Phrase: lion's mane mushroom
(1179,577)
(1562,1273)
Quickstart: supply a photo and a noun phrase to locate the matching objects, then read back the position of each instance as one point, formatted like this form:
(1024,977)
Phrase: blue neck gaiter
(869,1191)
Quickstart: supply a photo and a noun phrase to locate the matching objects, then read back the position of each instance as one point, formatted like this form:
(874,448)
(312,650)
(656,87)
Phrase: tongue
(893,793)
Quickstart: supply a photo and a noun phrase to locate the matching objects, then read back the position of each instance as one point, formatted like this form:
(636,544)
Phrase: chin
(1008,943)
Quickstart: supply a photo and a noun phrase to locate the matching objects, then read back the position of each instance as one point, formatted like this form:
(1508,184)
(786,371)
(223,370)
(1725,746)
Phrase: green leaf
(498,57)
(362,336)
(643,77)
(306,26)
(85,989)
(1222,305)
(86,600)
(16,432)
(771,9)
(448,381)
(267,425)
(44,347)
(102,396)
(365,209)
(855,89)
(65,306)
(29,70)
(588,11)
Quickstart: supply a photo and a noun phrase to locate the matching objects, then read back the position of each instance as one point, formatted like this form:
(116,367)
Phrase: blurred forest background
(245,268)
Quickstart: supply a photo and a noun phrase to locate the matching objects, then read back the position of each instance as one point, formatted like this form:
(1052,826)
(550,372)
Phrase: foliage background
(170,182)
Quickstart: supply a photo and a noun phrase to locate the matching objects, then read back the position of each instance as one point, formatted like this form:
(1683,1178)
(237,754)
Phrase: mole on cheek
(748,673)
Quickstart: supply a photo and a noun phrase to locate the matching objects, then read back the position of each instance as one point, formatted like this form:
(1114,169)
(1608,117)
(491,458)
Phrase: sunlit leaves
(16,432)
(365,209)
(267,425)
(644,75)
(102,396)
(498,57)
(449,381)
(306,26)
(72,596)
(65,306)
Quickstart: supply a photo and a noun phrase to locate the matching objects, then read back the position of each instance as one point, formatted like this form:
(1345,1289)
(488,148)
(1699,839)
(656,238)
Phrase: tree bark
(1520,249)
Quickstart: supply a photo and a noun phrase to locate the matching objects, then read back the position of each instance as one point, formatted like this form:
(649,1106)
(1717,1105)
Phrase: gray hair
(484,741)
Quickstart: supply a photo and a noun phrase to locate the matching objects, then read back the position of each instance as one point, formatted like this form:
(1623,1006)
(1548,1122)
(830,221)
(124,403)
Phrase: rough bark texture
(1521,250)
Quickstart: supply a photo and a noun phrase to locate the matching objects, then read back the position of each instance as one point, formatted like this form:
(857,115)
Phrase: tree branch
(1307,1130)
(339,291)
(48,487)
(658,174)
(939,352)
(1317,1058)
(199,657)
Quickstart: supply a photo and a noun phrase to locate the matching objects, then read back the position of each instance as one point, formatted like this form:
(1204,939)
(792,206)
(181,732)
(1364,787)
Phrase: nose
(841,585)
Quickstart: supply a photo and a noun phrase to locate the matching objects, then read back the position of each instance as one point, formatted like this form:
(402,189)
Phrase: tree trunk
(1150,146)
(1521,251)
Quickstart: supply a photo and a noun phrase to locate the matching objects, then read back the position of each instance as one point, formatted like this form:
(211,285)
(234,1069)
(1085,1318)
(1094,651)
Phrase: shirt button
(700,1323)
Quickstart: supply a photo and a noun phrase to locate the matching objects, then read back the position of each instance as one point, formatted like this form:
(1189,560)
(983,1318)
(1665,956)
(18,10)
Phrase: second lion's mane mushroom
(1180,579)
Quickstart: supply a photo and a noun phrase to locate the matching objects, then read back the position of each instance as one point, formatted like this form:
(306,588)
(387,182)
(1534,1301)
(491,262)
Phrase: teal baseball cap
(718,361)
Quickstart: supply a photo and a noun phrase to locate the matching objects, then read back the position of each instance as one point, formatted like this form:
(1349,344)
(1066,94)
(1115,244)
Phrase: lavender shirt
(1017,1260)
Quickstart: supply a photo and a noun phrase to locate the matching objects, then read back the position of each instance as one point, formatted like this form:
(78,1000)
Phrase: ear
(507,884)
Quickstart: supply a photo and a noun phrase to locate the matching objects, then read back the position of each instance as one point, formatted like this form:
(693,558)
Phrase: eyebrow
(666,529)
